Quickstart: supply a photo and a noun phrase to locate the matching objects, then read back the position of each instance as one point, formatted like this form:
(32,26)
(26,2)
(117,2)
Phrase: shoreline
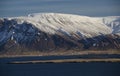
(65,61)
(62,57)
(58,53)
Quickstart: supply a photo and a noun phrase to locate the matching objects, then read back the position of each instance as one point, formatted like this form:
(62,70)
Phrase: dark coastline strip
(65,61)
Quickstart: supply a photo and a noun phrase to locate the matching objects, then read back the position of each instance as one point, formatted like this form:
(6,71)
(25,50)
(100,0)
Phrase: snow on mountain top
(112,22)
(67,24)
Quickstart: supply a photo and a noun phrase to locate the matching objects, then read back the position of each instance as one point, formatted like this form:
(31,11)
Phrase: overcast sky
(9,8)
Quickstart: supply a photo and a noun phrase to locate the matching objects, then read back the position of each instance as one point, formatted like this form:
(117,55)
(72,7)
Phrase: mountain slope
(52,23)
(51,31)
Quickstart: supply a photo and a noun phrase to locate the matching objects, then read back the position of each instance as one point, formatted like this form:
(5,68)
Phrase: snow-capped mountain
(43,31)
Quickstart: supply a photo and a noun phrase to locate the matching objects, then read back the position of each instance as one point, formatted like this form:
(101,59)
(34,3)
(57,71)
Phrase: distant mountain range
(55,31)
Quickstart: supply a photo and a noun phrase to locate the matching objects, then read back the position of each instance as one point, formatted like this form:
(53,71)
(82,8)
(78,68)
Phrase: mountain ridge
(45,31)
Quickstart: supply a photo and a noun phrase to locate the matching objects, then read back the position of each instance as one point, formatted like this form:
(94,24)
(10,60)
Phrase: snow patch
(68,24)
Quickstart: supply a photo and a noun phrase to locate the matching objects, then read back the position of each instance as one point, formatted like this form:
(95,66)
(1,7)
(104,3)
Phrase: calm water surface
(61,69)
(58,69)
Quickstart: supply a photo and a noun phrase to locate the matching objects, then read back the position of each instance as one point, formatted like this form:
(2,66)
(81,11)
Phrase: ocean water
(58,69)
(61,69)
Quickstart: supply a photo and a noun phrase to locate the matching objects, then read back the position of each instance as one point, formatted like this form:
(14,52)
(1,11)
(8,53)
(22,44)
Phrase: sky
(98,8)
